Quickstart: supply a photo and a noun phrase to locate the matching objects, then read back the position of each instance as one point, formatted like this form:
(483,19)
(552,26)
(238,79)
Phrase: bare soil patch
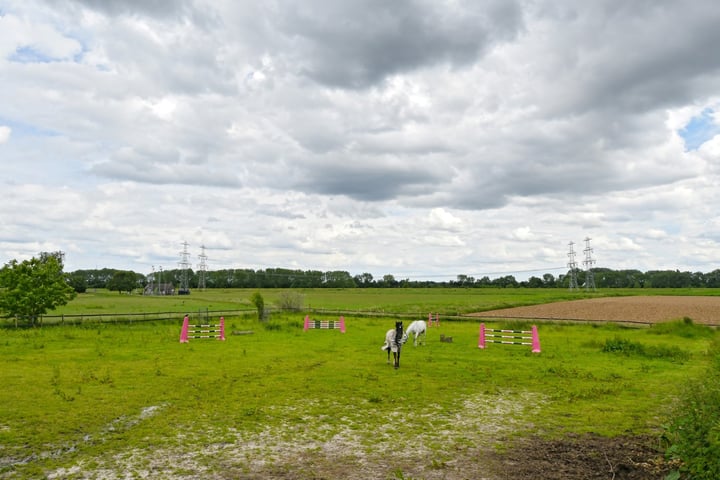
(586,457)
(641,309)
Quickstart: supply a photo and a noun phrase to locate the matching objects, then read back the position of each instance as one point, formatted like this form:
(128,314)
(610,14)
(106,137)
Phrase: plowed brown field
(640,309)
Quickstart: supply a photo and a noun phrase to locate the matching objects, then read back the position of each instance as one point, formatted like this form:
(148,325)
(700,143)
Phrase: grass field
(129,401)
(449,301)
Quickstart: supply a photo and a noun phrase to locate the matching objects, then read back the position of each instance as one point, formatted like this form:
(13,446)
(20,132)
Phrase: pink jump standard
(201,331)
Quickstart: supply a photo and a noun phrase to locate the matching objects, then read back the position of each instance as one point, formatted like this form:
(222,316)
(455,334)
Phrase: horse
(419,329)
(394,339)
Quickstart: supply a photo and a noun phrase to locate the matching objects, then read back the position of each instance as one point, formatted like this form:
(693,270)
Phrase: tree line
(168,280)
(30,288)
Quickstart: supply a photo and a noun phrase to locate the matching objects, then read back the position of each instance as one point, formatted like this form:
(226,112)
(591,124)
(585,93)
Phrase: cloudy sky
(419,138)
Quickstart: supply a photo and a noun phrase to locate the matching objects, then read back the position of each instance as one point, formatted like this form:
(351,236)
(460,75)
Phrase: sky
(420,138)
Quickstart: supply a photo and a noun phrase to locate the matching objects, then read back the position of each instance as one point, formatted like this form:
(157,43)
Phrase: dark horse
(393,343)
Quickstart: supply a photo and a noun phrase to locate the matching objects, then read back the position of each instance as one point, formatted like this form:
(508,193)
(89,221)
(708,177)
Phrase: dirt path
(641,309)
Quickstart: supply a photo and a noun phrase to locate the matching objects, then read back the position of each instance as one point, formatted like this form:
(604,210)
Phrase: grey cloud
(358,44)
(162,168)
(152,8)
(361,181)
(635,56)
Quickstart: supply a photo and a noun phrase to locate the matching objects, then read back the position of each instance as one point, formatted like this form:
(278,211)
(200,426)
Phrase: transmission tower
(572,265)
(588,262)
(150,290)
(184,267)
(202,268)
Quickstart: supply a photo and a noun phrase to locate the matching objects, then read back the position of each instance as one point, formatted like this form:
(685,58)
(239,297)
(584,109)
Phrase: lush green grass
(93,395)
(396,300)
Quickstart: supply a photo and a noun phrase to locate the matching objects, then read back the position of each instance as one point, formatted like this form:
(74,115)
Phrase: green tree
(123,281)
(548,280)
(77,281)
(30,288)
(364,280)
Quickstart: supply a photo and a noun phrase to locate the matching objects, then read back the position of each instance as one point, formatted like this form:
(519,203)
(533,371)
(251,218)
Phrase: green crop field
(418,301)
(111,401)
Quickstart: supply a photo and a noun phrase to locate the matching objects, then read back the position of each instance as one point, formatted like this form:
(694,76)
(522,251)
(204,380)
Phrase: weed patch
(627,347)
(684,328)
(694,431)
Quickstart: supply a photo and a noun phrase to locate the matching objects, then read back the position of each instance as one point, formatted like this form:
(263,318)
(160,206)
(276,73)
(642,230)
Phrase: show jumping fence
(325,324)
(518,337)
(207,330)
(431,321)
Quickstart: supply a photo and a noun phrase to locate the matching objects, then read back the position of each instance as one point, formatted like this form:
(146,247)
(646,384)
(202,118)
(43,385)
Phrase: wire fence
(205,314)
(100,318)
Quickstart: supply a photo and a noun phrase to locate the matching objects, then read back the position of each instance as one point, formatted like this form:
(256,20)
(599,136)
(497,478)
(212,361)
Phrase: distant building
(161,289)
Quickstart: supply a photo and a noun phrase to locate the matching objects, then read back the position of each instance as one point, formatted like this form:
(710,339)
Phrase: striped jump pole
(202,331)
(518,337)
(324,324)
(431,321)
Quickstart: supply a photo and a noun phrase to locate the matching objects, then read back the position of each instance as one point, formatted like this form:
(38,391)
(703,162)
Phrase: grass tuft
(630,348)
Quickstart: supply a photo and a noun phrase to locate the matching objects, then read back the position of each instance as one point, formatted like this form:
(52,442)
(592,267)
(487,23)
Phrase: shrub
(259,302)
(620,345)
(292,301)
(626,347)
(694,431)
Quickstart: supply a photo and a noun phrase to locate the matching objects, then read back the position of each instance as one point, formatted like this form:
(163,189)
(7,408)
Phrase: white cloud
(361,137)
(4,134)
(42,42)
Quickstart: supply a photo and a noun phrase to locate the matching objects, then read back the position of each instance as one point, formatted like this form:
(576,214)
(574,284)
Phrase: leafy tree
(32,287)
(548,280)
(77,281)
(123,281)
(338,279)
(363,280)
(534,282)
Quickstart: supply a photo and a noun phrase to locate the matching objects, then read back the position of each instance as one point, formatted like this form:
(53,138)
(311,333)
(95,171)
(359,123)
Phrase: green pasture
(129,399)
(449,301)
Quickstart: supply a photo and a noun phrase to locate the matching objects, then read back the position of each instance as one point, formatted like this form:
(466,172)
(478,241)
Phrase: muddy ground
(586,457)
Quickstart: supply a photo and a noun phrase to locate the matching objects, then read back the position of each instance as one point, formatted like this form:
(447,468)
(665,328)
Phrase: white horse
(394,340)
(419,329)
